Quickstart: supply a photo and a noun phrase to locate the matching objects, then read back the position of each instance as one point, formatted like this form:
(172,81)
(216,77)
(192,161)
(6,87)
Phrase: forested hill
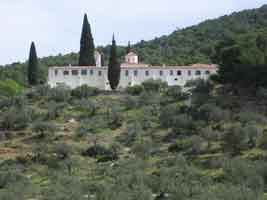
(190,45)
(196,44)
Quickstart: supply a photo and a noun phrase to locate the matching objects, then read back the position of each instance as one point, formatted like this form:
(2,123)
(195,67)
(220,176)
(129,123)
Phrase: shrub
(192,145)
(114,117)
(59,94)
(16,119)
(210,112)
(261,93)
(135,90)
(243,172)
(44,128)
(63,151)
(9,177)
(134,129)
(200,86)
(130,102)
(180,145)
(10,88)
(199,145)
(150,98)
(154,85)
(142,148)
(209,134)
(38,91)
(183,124)
(262,141)
(176,93)
(91,126)
(100,152)
(84,91)
(54,110)
(247,116)
(235,139)
(89,108)
(167,115)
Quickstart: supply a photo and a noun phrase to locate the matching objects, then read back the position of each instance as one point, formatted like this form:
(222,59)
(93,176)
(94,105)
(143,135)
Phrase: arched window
(126,73)
(171,72)
(198,73)
(66,73)
(207,72)
(84,72)
(179,73)
(147,73)
(135,73)
(189,72)
(161,73)
(74,72)
(91,72)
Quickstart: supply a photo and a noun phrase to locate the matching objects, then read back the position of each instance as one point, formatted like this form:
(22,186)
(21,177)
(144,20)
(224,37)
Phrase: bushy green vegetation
(159,143)
(9,88)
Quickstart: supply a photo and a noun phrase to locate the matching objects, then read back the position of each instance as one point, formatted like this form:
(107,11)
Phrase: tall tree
(87,48)
(114,68)
(129,48)
(33,75)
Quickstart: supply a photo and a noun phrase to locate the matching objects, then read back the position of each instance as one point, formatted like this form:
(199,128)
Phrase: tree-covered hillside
(195,44)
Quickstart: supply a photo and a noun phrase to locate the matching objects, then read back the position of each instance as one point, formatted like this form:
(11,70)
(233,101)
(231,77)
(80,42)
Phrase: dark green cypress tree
(87,48)
(128,50)
(114,68)
(33,75)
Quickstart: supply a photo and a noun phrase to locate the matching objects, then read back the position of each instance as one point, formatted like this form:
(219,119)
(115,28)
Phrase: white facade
(131,58)
(132,73)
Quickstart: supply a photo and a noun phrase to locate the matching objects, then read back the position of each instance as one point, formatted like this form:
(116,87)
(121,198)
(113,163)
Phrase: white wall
(101,81)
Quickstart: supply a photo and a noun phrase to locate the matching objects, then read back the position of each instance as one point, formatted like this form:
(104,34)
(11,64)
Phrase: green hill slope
(190,45)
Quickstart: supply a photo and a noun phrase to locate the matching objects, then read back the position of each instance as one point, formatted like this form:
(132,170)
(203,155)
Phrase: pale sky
(55,25)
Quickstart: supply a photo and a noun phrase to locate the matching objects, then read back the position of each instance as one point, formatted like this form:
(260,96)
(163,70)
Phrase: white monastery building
(132,73)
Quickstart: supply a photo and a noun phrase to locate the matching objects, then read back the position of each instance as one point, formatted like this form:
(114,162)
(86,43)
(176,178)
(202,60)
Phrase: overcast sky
(55,25)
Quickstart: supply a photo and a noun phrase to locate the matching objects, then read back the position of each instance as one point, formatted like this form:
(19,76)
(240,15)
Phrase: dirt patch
(7,151)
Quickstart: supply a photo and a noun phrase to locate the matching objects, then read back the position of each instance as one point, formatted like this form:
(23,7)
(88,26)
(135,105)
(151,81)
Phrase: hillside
(190,45)
(196,44)
(149,143)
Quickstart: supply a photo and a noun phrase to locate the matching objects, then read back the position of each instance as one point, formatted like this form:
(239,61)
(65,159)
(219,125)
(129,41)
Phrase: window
(56,72)
(135,73)
(99,73)
(189,73)
(160,72)
(84,72)
(74,72)
(126,73)
(179,73)
(91,72)
(171,72)
(66,73)
(147,73)
(198,73)
(207,72)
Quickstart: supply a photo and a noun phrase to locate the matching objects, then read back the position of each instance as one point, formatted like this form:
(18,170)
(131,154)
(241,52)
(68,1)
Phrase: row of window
(76,72)
(171,73)
(161,73)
